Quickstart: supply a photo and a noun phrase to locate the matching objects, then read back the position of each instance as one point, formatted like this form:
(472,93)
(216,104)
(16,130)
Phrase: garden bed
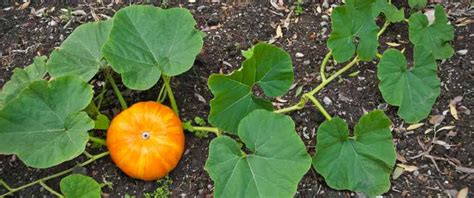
(25,33)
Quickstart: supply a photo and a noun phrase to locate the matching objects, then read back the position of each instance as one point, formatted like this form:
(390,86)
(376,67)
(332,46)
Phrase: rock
(213,21)
(325,17)
(52,23)
(299,55)
(202,8)
(306,62)
(462,52)
(327,101)
(325,4)
(324,23)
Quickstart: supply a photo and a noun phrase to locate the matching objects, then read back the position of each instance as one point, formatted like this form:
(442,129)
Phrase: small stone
(299,55)
(202,8)
(324,30)
(52,23)
(325,4)
(324,23)
(462,52)
(325,17)
(306,62)
(327,101)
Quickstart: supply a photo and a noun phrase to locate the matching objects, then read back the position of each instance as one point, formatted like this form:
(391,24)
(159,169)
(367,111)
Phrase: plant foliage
(361,163)
(269,67)
(80,186)
(276,163)
(45,125)
(146,42)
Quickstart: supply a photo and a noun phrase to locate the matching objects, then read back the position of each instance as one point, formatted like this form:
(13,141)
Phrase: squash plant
(48,110)
(274,158)
(257,152)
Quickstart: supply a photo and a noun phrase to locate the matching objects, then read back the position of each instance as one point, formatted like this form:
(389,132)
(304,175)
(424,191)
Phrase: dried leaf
(463,193)
(464,110)
(393,44)
(442,143)
(453,111)
(436,119)
(408,167)
(446,128)
(25,5)
(397,172)
(401,158)
(279,33)
(415,126)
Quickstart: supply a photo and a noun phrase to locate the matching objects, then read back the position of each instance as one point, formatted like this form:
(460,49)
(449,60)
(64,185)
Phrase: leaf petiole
(97,140)
(111,80)
(206,129)
(167,85)
(162,94)
(322,69)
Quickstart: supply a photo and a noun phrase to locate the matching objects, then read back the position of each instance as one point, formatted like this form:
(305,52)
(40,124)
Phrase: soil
(230,29)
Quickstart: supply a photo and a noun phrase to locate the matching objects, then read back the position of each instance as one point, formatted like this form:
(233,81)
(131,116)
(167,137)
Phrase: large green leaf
(80,53)
(44,125)
(21,78)
(277,162)
(434,37)
(269,67)
(361,163)
(392,13)
(79,186)
(351,22)
(414,90)
(148,41)
(417,4)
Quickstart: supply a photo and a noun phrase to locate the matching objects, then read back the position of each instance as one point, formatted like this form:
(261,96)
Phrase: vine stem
(322,69)
(384,27)
(167,80)
(97,140)
(117,92)
(320,107)
(50,189)
(44,179)
(208,129)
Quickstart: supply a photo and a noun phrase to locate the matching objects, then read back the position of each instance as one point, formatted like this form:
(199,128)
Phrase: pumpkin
(146,141)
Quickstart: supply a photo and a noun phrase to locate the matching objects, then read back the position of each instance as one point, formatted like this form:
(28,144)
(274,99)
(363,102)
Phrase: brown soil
(230,29)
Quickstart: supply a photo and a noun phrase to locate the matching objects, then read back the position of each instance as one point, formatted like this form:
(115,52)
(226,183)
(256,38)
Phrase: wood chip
(465,169)
(397,172)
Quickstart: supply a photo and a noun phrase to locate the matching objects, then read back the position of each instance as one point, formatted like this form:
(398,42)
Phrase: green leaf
(417,4)
(79,186)
(80,53)
(362,163)
(277,162)
(414,90)
(392,13)
(269,67)
(148,41)
(21,78)
(248,53)
(101,122)
(434,37)
(44,126)
(351,22)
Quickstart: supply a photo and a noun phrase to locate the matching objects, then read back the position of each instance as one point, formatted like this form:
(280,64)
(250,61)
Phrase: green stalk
(50,189)
(162,94)
(44,179)
(384,27)
(207,129)
(322,69)
(97,140)
(117,92)
(335,75)
(297,106)
(167,80)
(320,107)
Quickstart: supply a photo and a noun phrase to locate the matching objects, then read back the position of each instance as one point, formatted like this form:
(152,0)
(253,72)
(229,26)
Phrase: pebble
(327,100)
(324,30)
(52,23)
(306,62)
(325,17)
(324,23)
(201,8)
(299,55)
(462,52)
(325,4)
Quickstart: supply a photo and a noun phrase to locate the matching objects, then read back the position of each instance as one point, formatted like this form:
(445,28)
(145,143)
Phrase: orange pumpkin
(146,141)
